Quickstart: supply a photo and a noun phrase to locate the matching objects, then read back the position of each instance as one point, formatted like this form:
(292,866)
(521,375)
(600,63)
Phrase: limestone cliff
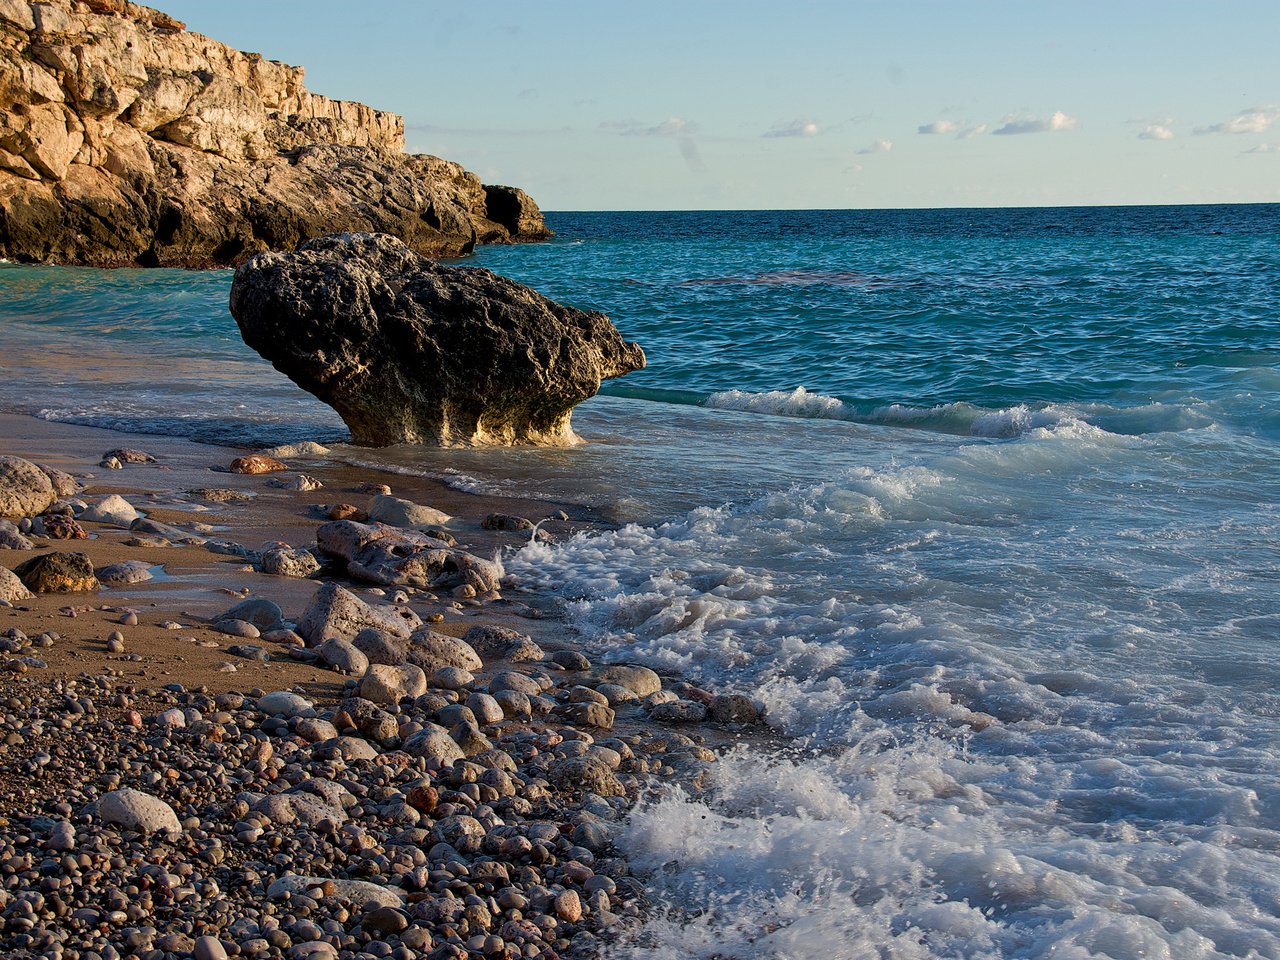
(125,139)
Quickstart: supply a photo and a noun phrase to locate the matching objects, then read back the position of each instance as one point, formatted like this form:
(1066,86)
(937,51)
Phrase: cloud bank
(879,146)
(792,128)
(1054,123)
(1253,120)
(673,127)
(1156,131)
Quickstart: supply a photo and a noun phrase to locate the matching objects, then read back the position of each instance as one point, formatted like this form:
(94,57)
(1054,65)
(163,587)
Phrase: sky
(699,104)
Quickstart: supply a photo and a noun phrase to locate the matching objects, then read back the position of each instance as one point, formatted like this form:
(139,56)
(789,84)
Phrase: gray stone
(391,684)
(238,628)
(433,742)
(136,810)
(382,647)
(502,643)
(679,711)
(284,703)
(263,614)
(124,573)
(360,892)
(432,650)
(344,657)
(405,513)
(335,611)
(287,562)
(639,680)
(25,489)
(377,553)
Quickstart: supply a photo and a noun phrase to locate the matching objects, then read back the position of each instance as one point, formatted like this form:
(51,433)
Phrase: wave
(966,419)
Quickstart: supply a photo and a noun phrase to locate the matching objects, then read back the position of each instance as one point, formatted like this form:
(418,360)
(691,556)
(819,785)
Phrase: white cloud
(1265,148)
(879,146)
(949,127)
(1055,122)
(673,127)
(1156,131)
(793,128)
(1253,120)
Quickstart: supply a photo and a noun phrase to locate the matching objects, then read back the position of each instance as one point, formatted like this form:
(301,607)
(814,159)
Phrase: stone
(113,510)
(405,513)
(256,464)
(11,539)
(383,683)
(377,553)
(136,810)
(58,573)
(300,483)
(12,589)
(343,657)
(733,709)
(56,526)
(510,680)
(432,650)
(678,711)
(485,708)
(335,611)
(587,774)
(421,352)
(25,489)
(124,573)
(352,748)
(284,703)
(362,893)
(174,534)
(505,521)
(639,680)
(502,643)
(382,647)
(588,715)
(209,948)
(315,730)
(129,455)
(452,678)
(64,484)
(433,743)
(237,628)
(261,613)
(288,562)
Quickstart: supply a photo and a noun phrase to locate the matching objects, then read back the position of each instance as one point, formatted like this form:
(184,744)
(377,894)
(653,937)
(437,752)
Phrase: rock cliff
(411,351)
(125,139)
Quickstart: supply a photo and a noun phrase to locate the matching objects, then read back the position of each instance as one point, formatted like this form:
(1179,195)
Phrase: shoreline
(154,715)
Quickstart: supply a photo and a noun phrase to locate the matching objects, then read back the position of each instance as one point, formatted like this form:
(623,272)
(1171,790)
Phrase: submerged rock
(410,351)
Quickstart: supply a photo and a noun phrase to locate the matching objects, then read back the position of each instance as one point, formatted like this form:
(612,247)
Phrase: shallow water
(980,504)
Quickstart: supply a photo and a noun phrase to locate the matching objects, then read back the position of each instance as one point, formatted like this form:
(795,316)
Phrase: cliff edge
(126,139)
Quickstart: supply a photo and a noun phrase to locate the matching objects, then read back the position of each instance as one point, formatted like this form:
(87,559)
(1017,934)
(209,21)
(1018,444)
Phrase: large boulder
(409,351)
(335,611)
(25,489)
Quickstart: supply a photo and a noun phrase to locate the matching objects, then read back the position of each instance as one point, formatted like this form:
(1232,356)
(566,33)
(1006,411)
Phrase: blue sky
(716,105)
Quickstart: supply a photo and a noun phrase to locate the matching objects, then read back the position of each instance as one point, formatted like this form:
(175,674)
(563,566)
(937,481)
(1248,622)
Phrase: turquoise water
(982,505)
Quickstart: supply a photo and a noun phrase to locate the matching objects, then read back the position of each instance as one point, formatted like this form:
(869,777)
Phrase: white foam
(795,403)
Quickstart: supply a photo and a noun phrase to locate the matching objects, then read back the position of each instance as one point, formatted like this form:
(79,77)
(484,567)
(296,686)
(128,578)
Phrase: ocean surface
(981,504)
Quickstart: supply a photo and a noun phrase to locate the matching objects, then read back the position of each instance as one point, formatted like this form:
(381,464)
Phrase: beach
(177,694)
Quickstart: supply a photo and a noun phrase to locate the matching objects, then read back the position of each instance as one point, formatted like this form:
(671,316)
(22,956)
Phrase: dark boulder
(410,351)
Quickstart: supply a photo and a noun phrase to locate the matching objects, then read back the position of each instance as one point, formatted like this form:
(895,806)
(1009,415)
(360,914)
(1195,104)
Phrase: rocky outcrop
(125,139)
(410,351)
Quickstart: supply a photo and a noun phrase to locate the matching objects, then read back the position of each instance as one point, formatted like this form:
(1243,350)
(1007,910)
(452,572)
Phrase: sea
(982,507)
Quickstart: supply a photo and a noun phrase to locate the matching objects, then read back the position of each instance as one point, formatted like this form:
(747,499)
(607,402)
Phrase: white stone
(405,513)
(136,810)
(360,892)
(284,703)
(113,510)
